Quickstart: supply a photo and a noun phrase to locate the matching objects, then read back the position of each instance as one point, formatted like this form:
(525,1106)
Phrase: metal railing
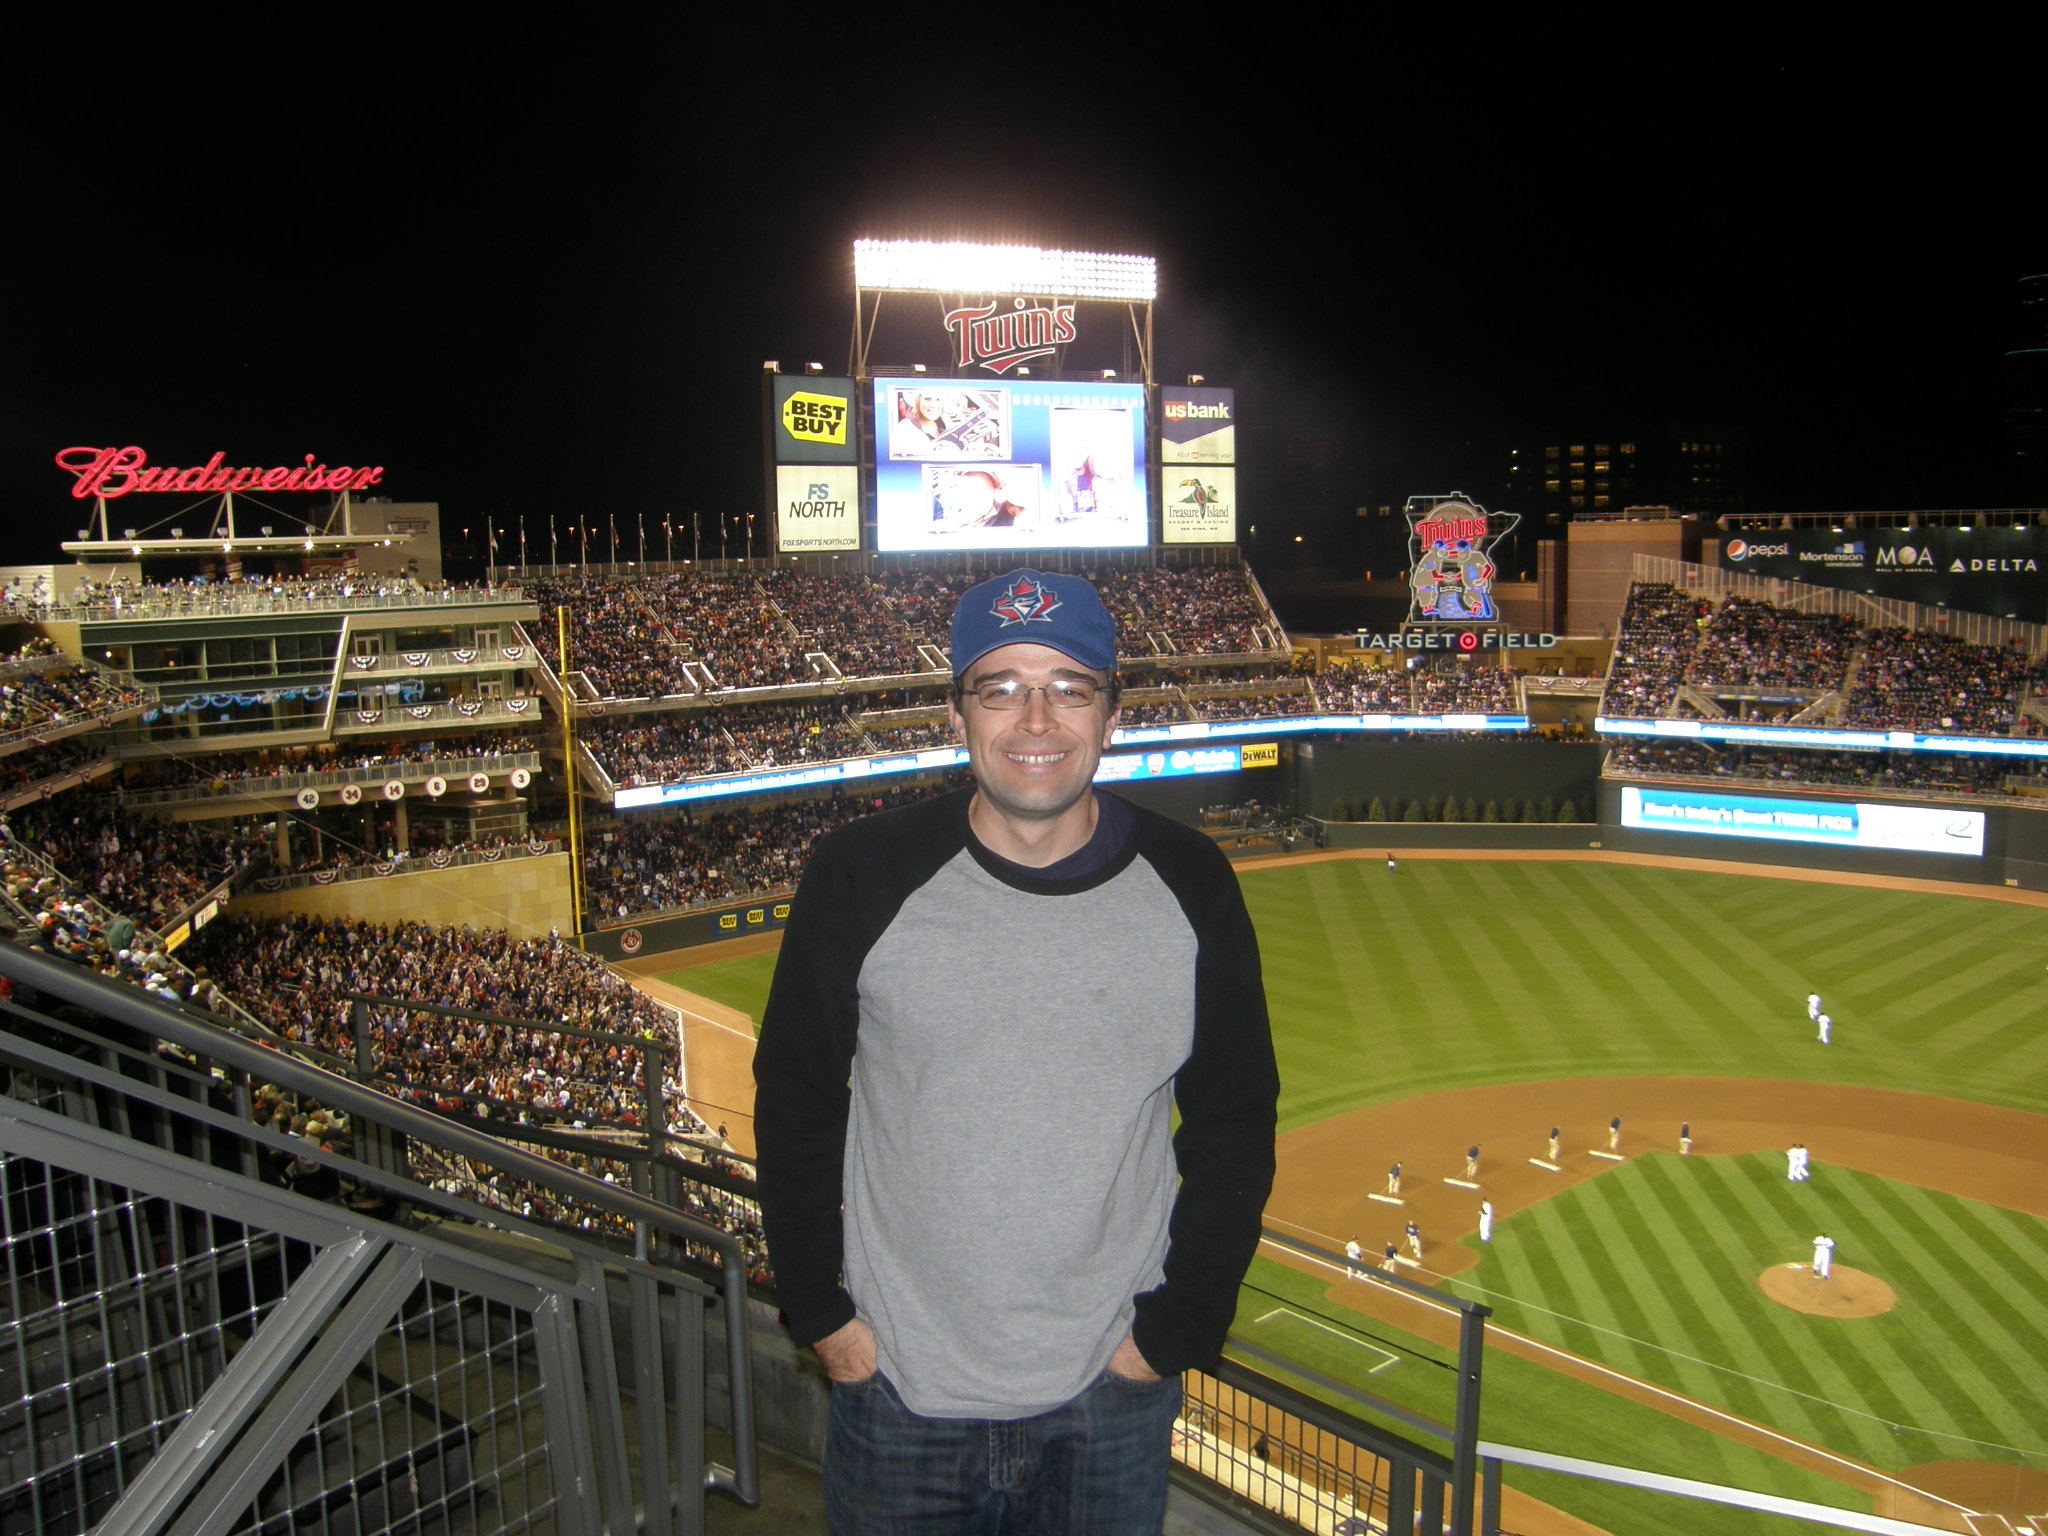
(186,1345)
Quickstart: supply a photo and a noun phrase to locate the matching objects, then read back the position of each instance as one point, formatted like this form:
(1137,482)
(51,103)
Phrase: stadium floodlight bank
(929,266)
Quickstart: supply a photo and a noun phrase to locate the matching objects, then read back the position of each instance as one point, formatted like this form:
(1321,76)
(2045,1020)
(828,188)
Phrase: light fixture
(127,533)
(1194,378)
(177,533)
(814,369)
(771,367)
(930,266)
(917,368)
(85,533)
(268,530)
(135,549)
(1109,373)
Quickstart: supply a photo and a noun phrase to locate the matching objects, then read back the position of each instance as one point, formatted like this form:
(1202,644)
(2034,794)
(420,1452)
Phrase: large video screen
(1841,824)
(1009,464)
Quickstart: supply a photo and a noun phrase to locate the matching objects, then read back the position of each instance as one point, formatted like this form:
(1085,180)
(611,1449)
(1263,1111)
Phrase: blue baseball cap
(1031,608)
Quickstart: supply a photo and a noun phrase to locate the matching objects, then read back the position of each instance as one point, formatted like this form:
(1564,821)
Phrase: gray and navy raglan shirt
(965,1079)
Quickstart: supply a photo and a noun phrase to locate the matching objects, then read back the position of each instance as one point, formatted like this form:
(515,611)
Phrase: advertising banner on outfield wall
(1840,824)
(1979,570)
(817,506)
(1198,426)
(812,421)
(1198,504)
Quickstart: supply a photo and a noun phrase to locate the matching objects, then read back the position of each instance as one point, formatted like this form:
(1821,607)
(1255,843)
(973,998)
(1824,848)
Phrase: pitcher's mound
(1845,1293)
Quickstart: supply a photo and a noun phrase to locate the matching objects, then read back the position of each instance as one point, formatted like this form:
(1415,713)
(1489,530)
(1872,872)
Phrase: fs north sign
(116,472)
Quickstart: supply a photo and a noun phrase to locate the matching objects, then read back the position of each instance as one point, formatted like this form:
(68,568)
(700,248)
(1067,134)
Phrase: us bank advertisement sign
(1979,570)
(813,422)
(1197,426)
(816,507)
(1198,504)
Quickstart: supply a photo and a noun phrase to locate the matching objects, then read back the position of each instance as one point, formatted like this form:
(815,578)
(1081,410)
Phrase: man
(987,1008)
(1414,1236)
(1394,1180)
(1354,1256)
(1614,1134)
(1555,1133)
(1823,1256)
(1472,1161)
(1390,1259)
(1826,1024)
(1486,1221)
(1812,1006)
(1684,1138)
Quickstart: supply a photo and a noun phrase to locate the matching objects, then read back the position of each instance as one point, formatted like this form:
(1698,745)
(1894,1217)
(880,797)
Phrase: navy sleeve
(855,883)
(1227,1093)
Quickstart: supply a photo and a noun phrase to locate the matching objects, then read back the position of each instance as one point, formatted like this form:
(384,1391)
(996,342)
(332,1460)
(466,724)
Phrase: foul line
(1302,1317)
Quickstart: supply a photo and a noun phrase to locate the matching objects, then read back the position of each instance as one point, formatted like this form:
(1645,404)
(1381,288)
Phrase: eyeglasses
(1060,693)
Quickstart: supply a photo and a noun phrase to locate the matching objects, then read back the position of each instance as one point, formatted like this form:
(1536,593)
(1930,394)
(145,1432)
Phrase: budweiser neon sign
(115,472)
(984,338)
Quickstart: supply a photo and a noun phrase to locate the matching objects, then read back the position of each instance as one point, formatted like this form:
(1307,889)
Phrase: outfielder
(1825,1024)
(1823,1256)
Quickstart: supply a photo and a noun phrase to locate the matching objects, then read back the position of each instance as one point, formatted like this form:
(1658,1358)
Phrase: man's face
(1033,763)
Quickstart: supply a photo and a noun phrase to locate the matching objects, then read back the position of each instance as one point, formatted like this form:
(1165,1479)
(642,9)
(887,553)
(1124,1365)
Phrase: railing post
(1465,1417)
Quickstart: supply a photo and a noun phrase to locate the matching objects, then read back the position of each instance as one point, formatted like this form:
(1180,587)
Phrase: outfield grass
(1456,973)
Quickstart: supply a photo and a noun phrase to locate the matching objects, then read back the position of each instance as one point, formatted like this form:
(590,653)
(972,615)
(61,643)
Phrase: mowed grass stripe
(1710,1208)
(1907,1365)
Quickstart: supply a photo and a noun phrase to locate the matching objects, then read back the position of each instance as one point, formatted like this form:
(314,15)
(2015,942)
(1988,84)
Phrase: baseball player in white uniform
(1813,1005)
(1354,1258)
(1486,1221)
(1825,1024)
(1823,1256)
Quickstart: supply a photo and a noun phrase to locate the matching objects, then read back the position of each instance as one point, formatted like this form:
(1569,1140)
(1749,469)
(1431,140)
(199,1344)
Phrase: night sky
(536,273)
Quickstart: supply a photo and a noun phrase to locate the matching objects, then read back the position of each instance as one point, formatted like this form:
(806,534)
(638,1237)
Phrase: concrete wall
(1603,556)
(527,896)
(1334,771)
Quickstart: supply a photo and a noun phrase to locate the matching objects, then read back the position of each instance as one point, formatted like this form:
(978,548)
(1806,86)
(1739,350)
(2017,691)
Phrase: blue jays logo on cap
(1064,612)
(1026,599)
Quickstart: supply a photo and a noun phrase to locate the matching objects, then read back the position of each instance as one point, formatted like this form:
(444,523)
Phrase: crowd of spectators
(1926,682)
(1660,630)
(1895,679)
(666,862)
(1346,688)
(292,973)
(1928,772)
(634,636)
(664,748)
(235,594)
(1454,685)
(40,691)
(151,870)
(1751,644)
(1208,609)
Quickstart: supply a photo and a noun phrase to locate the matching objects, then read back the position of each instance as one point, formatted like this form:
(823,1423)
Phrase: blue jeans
(1095,1466)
